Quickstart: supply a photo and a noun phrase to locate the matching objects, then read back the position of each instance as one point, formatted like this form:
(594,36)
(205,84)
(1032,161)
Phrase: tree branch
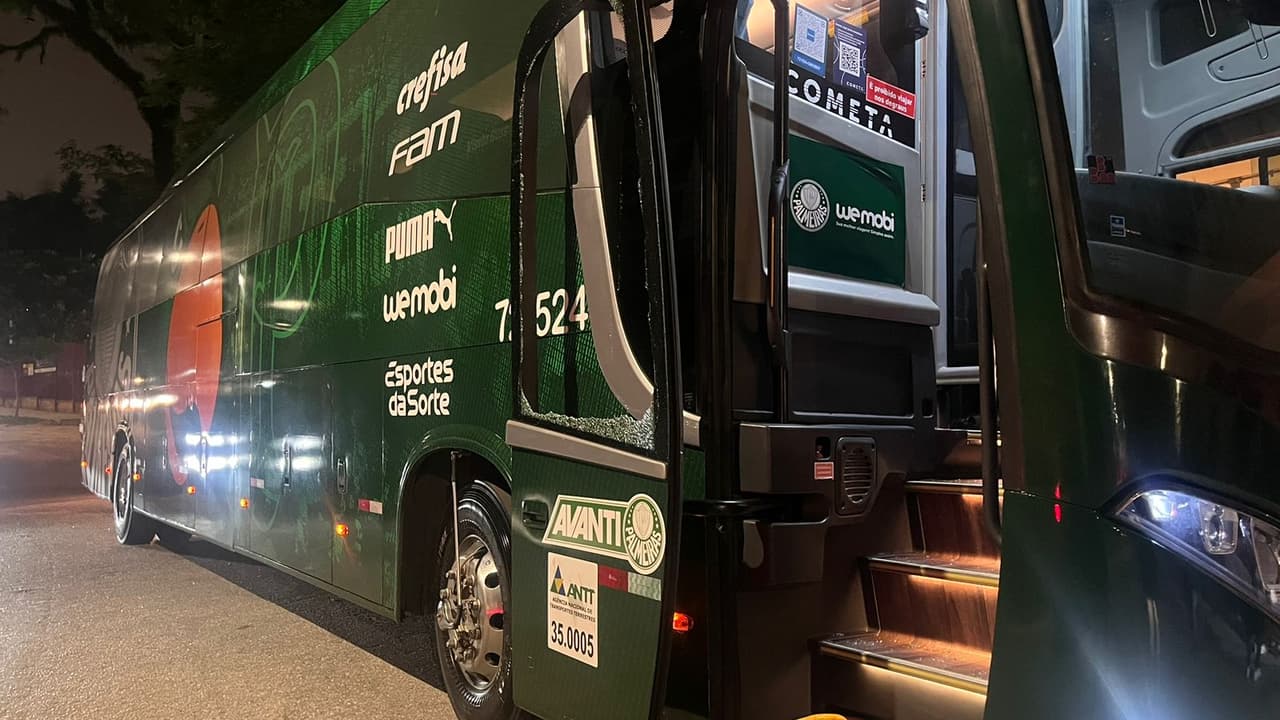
(38,41)
(80,30)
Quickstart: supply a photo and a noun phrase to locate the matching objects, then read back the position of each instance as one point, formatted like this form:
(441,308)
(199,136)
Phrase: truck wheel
(473,639)
(132,528)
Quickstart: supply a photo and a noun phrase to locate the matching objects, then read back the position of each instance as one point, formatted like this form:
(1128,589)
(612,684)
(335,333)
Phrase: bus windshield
(1175,132)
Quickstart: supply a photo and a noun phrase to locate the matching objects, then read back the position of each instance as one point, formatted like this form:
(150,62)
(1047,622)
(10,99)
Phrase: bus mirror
(903,22)
(1258,12)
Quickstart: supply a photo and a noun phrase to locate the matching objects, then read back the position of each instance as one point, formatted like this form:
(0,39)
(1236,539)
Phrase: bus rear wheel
(132,528)
(473,642)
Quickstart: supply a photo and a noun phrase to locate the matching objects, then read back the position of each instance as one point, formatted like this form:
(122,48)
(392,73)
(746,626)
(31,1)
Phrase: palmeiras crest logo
(809,205)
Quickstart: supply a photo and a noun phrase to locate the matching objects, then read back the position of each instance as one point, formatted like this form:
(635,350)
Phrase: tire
(132,528)
(479,688)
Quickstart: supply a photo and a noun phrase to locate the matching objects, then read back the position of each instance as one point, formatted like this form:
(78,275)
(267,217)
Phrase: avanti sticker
(633,531)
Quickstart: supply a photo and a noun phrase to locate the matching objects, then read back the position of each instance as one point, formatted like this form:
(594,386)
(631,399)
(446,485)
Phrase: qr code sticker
(850,60)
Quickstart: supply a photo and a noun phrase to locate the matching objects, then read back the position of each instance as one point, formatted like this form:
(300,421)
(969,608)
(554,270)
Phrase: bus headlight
(1227,542)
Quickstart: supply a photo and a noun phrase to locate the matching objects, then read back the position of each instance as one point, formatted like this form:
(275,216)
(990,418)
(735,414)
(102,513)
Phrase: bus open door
(596,454)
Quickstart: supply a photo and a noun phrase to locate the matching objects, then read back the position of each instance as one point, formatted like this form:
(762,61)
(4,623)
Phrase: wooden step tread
(970,569)
(953,665)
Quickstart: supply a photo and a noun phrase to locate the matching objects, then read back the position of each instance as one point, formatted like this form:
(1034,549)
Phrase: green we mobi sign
(848,214)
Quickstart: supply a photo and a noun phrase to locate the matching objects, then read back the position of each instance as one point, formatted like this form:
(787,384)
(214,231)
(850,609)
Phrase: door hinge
(924,192)
(924,69)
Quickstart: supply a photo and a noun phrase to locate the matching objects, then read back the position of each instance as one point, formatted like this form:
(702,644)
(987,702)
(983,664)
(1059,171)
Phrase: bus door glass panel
(856,121)
(961,228)
(1169,86)
(290,475)
(591,512)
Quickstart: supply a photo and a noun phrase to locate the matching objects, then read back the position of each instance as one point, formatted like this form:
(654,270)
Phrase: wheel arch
(423,500)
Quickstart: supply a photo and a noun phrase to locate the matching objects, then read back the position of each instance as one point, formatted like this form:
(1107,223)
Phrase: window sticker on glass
(891,97)
(850,66)
(810,47)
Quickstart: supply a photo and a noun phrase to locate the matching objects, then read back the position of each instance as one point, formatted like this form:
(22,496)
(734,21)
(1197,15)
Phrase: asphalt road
(90,629)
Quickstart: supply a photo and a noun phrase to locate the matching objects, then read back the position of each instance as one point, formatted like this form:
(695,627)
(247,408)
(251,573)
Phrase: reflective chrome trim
(618,363)
(819,292)
(1137,343)
(966,375)
(549,442)
(573,63)
(692,429)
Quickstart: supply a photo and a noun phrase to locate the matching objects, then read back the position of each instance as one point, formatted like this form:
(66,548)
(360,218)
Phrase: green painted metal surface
(553,680)
(848,214)
(1094,620)
(318,304)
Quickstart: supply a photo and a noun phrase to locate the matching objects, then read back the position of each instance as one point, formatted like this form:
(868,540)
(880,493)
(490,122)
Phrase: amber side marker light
(244,503)
(191,489)
(84,464)
(137,477)
(342,530)
(681,623)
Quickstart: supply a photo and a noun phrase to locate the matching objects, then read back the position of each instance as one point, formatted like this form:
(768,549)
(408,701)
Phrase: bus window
(962,232)
(1183,31)
(1238,174)
(676,27)
(890,29)
(1198,247)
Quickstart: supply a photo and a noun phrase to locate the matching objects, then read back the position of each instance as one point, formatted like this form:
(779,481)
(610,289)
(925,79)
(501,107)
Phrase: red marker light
(191,489)
(342,530)
(1057,508)
(107,469)
(244,503)
(681,623)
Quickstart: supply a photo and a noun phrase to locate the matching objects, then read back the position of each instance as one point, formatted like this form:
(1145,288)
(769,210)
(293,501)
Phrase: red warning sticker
(1102,169)
(824,470)
(891,97)
(613,578)
(370,506)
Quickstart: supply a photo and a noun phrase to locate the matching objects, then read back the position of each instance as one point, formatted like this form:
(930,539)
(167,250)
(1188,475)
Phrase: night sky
(67,98)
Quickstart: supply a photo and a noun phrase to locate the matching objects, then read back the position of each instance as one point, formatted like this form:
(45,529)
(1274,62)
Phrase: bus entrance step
(968,569)
(942,486)
(949,664)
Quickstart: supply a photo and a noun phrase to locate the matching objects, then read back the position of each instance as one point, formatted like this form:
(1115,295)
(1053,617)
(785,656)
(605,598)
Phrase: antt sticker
(573,595)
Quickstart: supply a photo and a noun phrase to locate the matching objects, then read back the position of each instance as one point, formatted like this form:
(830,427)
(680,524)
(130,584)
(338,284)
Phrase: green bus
(480,314)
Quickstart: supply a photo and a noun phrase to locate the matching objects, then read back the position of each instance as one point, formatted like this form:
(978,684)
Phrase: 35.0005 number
(573,639)
(552,308)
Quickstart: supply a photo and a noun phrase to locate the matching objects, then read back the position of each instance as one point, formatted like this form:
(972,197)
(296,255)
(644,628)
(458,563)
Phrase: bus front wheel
(132,528)
(473,641)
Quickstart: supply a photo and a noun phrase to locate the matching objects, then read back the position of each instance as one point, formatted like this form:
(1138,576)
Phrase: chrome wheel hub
(122,493)
(471,617)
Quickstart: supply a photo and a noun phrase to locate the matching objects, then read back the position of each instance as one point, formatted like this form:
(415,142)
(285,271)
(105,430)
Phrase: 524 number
(553,308)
